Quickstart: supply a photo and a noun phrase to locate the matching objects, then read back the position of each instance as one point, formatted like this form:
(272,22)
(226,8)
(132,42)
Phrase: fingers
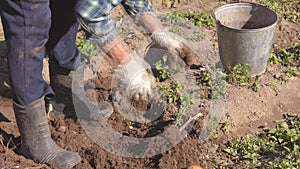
(190,55)
(181,52)
(142,92)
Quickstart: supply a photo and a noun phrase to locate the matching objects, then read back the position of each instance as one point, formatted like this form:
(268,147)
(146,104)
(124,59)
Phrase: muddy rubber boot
(36,141)
(61,83)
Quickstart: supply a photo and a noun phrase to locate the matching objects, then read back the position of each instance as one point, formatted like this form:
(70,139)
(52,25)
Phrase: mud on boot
(36,141)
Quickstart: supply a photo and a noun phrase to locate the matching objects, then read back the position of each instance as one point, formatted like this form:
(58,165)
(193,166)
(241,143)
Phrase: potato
(194,167)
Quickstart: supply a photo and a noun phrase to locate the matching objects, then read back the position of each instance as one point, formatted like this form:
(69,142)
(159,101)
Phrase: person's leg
(63,53)
(26,26)
(26,32)
(62,36)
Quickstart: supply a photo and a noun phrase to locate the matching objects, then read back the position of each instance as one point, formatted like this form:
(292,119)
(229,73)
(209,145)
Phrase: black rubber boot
(61,83)
(36,141)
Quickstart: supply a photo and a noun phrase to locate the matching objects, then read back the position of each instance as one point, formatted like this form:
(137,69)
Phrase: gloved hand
(137,77)
(175,44)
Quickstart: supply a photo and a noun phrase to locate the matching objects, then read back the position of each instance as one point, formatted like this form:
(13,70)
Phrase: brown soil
(245,111)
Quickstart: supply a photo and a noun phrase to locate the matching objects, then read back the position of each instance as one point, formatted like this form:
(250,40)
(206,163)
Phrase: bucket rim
(219,8)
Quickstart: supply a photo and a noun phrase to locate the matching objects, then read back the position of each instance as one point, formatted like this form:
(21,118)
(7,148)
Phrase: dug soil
(245,111)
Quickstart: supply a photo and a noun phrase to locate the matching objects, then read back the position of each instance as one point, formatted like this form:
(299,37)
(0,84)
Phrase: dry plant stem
(190,120)
(117,51)
(150,23)
(10,141)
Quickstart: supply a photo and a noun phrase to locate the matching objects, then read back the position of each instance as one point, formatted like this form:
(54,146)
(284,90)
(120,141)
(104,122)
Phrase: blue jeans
(29,26)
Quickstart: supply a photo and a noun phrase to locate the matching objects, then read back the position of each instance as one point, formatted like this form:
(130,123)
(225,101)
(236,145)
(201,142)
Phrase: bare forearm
(117,51)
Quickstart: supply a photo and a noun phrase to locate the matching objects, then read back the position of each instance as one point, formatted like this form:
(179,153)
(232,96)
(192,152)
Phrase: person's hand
(137,77)
(175,44)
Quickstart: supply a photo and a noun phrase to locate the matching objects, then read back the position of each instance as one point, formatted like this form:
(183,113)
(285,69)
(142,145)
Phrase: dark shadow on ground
(3,118)
(10,141)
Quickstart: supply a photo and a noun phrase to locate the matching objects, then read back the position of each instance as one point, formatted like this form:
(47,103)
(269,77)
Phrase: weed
(197,36)
(292,71)
(240,74)
(202,18)
(175,95)
(255,87)
(163,69)
(214,80)
(214,135)
(274,59)
(223,128)
(237,75)
(175,17)
(185,102)
(205,77)
(86,47)
(274,87)
(173,91)
(213,121)
(218,85)
(271,4)
(276,148)
(289,9)
(287,58)
(123,32)
(164,89)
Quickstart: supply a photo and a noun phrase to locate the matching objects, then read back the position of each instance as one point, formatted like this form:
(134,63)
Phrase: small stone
(277,76)
(62,129)
(213,148)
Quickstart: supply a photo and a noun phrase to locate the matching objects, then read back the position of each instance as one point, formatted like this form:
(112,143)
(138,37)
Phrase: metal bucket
(245,32)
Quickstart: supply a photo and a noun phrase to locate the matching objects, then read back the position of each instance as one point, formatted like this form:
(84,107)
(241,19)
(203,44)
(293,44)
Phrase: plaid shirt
(94,16)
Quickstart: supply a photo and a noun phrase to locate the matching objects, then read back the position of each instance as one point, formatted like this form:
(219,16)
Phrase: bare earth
(245,111)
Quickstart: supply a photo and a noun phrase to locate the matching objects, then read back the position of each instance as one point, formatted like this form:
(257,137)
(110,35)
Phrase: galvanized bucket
(245,32)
